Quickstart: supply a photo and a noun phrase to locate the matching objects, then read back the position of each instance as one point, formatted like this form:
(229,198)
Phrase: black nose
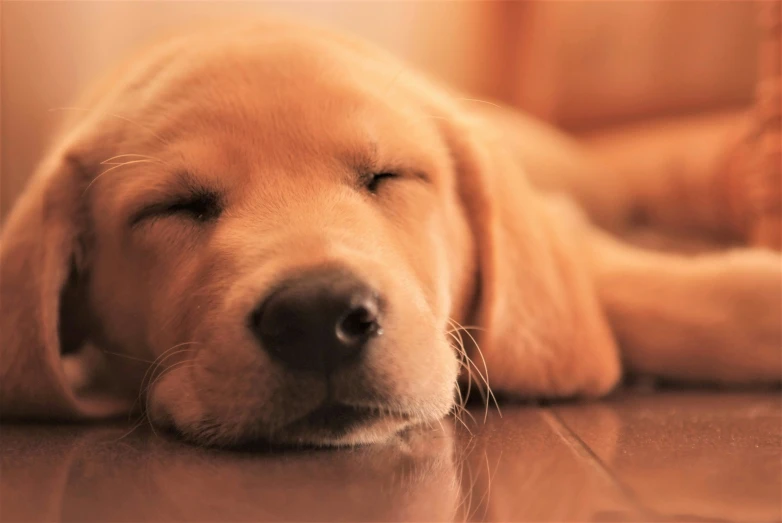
(318,321)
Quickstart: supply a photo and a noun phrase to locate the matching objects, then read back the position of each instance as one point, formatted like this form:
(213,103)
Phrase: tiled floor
(679,456)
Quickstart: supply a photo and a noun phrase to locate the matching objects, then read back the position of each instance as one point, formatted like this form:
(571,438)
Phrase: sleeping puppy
(276,233)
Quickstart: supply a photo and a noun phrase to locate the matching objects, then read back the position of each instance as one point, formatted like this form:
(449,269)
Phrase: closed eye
(200,207)
(375,180)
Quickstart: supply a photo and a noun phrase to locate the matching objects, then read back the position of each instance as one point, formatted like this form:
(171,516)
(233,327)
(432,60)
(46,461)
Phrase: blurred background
(583,65)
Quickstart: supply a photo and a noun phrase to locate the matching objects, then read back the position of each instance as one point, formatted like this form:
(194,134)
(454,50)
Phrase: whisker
(135,426)
(462,405)
(470,376)
(436,117)
(394,80)
(440,422)
(156,364)
(460,420)
(485,366)
(126,356)
(466,330)
(120,117)
(470,379)
(480,101)
(453,333)
(168,370)
(108,161)
(117,166)
(470,327)
(467,367)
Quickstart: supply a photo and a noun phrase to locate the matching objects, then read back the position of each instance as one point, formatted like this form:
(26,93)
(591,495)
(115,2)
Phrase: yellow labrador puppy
(274,232)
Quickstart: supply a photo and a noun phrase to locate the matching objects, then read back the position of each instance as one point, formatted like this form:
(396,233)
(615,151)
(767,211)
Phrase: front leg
(709,318)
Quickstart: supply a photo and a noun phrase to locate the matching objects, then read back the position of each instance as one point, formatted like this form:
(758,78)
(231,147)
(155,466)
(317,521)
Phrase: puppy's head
(272,221)
(267,232)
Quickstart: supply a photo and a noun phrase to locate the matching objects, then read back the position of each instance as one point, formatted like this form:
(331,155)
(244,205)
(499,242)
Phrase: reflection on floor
(678,456)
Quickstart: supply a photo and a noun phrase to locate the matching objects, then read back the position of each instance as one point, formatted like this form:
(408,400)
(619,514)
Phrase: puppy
(276,233)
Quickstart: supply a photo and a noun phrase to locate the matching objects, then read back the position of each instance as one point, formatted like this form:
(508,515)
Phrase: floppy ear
(541,330)
(40,301)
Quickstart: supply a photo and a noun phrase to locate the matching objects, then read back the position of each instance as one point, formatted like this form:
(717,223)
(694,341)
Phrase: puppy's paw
(749,284)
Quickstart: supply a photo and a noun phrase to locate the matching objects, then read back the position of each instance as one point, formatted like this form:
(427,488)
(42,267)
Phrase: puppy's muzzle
(319,321)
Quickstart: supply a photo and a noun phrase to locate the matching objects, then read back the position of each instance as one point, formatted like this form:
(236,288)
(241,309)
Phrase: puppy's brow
(186,178)
(364,159)
(186,181)
(117,116)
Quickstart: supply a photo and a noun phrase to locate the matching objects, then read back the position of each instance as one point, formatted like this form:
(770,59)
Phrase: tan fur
(280,120)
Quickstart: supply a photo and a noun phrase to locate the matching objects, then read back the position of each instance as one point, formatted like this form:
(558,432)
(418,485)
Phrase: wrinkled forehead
(280,104)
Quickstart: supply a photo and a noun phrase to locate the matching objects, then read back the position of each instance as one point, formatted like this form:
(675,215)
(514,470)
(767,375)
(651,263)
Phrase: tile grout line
(579,446)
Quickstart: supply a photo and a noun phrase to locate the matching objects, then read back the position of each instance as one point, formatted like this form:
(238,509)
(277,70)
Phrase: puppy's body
(221,171)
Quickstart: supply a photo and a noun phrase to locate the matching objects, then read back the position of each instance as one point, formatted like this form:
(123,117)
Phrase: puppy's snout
(319,321)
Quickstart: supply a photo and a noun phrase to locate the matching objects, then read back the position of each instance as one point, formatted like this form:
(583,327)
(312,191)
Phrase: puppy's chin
(323,427)
(175,404)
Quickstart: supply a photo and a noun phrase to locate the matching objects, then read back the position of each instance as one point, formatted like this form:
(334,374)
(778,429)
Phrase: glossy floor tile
(678,456)
(690,456)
